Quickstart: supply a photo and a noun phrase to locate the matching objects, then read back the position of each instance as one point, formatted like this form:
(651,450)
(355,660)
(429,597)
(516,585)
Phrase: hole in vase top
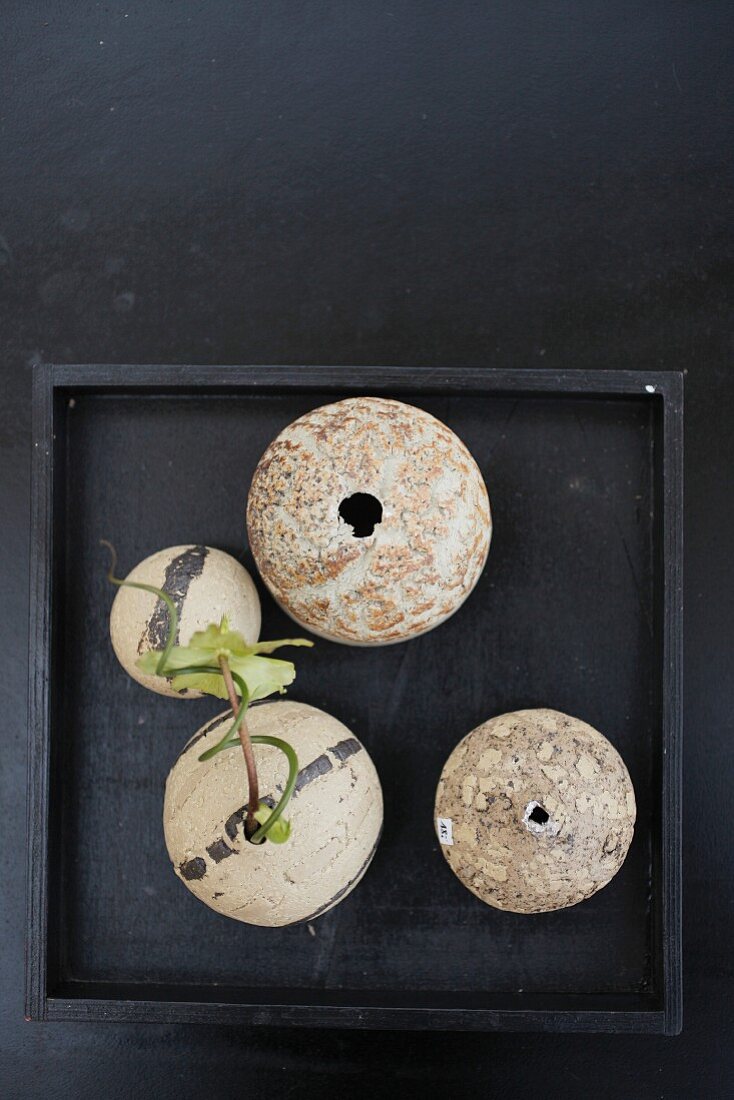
(362,512)
(538,815)
(539,821)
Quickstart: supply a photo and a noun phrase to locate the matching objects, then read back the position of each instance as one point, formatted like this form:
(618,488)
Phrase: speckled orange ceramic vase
(369,521)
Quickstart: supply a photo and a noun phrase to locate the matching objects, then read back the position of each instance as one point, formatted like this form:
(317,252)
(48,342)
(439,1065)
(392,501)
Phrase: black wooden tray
(579,609)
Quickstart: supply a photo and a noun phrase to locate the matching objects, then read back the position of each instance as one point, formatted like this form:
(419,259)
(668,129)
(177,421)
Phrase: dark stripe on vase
(180,572)
(219,850)
(193,868)
(344,749)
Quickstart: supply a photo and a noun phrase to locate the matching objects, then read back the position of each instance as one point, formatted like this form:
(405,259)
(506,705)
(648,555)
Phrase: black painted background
(506,183)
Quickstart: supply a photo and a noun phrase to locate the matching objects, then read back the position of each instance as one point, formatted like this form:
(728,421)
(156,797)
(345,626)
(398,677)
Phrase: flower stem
(287,750)
(251,824)
(290,786)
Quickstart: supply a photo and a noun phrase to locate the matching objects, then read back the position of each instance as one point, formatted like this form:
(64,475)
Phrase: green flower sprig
(263,675)
(218,661)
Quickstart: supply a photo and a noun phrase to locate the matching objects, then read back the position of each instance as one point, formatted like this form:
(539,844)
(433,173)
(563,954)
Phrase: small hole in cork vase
(539,821)
(538,815)
(362,512)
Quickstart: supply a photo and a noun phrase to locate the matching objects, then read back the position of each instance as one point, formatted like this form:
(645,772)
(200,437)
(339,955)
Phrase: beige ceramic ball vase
(335,815)
(369,521)
(204,584)
(534,811)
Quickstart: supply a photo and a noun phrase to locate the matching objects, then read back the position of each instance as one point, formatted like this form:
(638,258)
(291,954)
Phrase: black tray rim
(623,1014)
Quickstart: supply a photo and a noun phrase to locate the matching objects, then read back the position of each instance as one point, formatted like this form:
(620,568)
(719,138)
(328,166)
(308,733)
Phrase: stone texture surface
(335,814)
(205,584)
(542,810)
(424,556)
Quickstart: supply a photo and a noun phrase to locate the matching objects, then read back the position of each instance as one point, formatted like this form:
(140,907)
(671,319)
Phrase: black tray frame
(555,1013)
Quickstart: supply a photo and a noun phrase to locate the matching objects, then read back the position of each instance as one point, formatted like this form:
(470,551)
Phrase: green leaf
(281,829)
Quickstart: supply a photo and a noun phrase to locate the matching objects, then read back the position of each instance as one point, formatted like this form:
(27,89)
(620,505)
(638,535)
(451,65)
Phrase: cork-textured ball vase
(534,811)
(335,815)
(369,521)
(203,583)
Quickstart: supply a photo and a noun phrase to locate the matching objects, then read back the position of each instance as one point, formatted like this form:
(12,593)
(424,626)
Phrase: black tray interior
(566,615)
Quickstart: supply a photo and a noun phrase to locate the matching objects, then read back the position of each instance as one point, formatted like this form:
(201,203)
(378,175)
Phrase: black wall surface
(505,184)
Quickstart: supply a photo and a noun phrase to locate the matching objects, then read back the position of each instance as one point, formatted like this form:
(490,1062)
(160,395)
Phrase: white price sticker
(445,830)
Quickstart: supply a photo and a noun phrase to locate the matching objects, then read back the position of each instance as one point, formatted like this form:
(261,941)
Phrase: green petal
(263,675)
(206,682)
(219,637)
(270,647)
(149,662)
(179,657)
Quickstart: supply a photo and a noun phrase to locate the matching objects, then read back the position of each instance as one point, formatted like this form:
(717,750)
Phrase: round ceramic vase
(369,521)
